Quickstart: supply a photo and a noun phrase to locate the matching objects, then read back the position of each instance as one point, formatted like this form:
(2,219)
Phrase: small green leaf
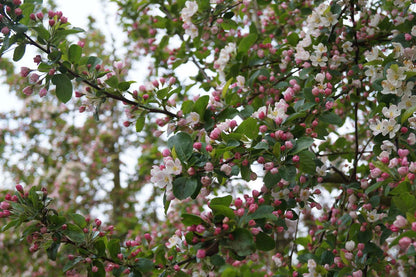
(225,201)
(71,264)
(101,271)
(331,118)
(307,162)
(190,219)
(144,265)
(113,247)
(183,144)
(217,260)
(52,251)
(201,105)
(74,53)
(302,144)
(246,43)
(249,128)
(183,187)
(74,233)
(264,242)
(112,81)
(99,245)
(243,243)
(19,52)
(140,122)
(63,87)
(222,211)
(79,220)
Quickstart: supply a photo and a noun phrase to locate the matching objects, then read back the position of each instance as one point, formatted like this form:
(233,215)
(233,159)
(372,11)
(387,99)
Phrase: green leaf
(112,81)
(264,242)
(302,144)
(52,251)
(140,122)
(74,233)
(113,247)
(93,61)
(74,53)
(243,243)
(101,270)
(71,264)
(405,202)
(144,265)
(264,211)
(12,223)
(183,144)
(225,201)
(63,87)
(293,39)
(217,260)
(201,105)
(407,113)
(249,128)
(271,180)
(79,220)
(331,118)
(246,43)
(19,28)
(220,210)
(183,187)
(190,219)
(123,86)
(327,257)
(307,162)
(99,245)
(19,52)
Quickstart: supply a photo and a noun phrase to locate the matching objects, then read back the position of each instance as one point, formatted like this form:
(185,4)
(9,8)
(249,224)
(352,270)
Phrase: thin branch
(95,86)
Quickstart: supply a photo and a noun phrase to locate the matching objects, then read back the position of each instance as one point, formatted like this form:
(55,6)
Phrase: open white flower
(173,241)
(389,127)
(161,178)
(191,7)
(173,167)
(391,112)
(193,119)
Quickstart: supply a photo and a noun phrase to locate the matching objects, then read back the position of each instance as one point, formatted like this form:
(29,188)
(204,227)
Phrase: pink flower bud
(200,254)
(19,188)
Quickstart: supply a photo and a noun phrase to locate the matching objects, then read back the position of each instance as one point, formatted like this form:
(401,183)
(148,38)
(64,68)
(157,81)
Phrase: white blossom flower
(191,30)
(376,126)
(173,167)
(173,241)
(389,88)
(318,59)
(320,48)
(375,19)
(413,31)
(161,177)
(372,73)
(347,46)
(304,194)
(389,127)
(350,245)
(226,168)
(371,55)
(373,216)
(407,101)
(321,171)
(191,7)
(395,75)
(193,119)
(391,112)
(388,146)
